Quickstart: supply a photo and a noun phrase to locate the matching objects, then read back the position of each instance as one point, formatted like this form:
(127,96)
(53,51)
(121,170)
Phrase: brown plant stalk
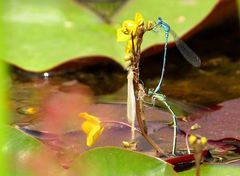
(135,64)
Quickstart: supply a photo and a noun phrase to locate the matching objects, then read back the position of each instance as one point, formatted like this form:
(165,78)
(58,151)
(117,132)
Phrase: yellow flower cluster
(128,32)
(192,139)
(91,127)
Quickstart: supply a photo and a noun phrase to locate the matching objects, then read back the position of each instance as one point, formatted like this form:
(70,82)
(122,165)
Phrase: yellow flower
(129,27)
(129,47)
(203,140)
(29,110)
(195,126)
(91,127)
(192,139)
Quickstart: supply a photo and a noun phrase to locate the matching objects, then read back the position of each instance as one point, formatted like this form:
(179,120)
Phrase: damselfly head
(159,21)
(150,92)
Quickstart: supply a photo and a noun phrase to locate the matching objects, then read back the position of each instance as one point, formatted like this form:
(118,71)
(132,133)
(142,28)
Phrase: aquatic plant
(132,32)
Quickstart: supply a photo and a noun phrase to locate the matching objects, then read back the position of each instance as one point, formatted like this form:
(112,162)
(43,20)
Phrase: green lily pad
(120,162)
(41,35)
(212,170)
(105,161)
(99,161)
(19,143)
(27,156)
(3,113)
(17,147)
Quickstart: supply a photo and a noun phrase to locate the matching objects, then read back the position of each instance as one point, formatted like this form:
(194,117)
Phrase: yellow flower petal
(139,19)
(87,126)
(124,33)
(89,117)
(94,134)
(129,47)
(91,127)
(129,27)
(121,36)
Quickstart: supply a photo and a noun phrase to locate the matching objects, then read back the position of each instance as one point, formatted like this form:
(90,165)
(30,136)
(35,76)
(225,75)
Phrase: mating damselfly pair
(188,54)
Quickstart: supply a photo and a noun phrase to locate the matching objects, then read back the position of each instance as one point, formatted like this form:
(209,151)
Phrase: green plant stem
(139,111)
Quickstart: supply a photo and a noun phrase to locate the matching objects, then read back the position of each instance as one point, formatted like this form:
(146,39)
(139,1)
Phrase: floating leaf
(27,156)
(211,170)
(19,143)
(39,36)
(18,147)
(116,161)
